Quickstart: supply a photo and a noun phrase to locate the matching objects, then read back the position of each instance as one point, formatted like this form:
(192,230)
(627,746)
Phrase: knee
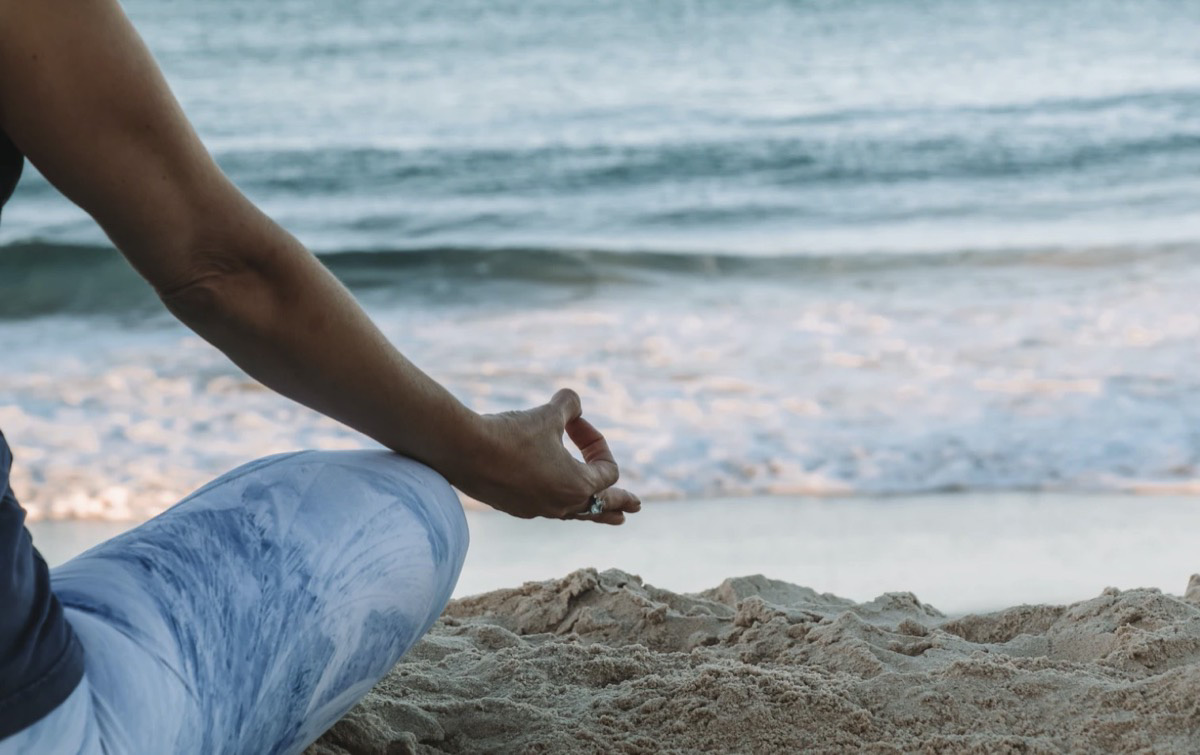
(404,504)
(387,483)
(347,497)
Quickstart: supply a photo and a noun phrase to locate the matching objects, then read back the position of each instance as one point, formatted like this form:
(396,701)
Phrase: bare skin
(84,100)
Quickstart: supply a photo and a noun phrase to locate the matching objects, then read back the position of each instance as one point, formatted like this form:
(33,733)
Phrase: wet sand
(962,553)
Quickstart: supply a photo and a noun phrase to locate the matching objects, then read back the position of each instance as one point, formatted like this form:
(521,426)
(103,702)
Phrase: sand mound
(601,662)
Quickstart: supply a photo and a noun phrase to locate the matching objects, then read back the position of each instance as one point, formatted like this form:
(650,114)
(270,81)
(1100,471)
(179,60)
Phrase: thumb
(566,402)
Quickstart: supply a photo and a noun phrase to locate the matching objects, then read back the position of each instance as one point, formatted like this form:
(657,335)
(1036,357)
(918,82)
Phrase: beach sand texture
(601,662)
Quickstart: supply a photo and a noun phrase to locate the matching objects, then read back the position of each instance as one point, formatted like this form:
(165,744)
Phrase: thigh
(69,728)
(268,602)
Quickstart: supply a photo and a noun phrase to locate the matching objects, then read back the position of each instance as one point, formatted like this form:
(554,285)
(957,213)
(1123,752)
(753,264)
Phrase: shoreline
(961,553)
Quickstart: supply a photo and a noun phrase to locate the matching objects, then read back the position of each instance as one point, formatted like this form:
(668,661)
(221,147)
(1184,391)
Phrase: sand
(601,662)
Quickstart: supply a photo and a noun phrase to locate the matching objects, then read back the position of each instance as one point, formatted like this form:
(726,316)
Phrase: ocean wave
(38,279)
(1109,161)
(875,375)
(974,147)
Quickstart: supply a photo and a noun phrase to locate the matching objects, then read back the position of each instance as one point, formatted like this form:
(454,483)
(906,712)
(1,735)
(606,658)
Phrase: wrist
(462,446)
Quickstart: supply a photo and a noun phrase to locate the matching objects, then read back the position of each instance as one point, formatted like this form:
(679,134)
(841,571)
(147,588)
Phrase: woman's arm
(82,97)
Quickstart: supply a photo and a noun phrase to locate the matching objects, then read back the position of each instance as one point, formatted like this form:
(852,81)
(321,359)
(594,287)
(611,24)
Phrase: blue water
(759,126)
(780,246)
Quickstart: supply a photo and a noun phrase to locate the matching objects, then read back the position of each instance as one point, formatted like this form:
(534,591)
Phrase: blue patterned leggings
(252,615)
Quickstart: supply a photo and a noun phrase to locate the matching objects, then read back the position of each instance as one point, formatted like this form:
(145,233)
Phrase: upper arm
(83,98)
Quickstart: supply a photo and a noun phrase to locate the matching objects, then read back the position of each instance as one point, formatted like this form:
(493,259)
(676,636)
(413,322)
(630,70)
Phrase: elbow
(240,292)
(198,298)
(211,280)
(246,277)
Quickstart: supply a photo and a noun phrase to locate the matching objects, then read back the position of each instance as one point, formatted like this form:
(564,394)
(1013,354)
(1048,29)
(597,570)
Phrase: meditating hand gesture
(523,468)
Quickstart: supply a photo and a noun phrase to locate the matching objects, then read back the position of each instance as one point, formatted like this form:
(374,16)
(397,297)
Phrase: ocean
(852,248)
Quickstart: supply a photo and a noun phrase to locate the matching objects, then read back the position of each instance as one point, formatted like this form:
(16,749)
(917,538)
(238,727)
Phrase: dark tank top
(10,168)
(41,661)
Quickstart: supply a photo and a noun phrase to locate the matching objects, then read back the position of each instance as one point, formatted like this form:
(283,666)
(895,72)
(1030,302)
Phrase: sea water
(779,247)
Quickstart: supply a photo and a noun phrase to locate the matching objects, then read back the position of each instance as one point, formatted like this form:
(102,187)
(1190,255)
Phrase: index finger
(595,450)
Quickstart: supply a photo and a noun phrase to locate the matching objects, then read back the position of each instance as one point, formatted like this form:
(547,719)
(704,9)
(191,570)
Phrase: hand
(520,465)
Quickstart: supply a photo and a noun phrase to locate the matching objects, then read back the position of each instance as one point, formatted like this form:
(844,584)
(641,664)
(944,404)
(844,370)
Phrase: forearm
(280,315)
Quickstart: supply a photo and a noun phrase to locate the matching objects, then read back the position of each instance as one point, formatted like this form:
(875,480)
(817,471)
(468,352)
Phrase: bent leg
(71,727)
(256,612)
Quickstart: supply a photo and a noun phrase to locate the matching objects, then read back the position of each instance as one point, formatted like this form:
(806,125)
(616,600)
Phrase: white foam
(883,382)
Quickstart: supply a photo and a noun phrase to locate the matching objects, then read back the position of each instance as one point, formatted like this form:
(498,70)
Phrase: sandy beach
(886,311)
(600,661)
(658,640)
(603,662)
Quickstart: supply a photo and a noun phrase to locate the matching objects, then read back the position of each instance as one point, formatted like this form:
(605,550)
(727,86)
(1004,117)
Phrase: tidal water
(780,247)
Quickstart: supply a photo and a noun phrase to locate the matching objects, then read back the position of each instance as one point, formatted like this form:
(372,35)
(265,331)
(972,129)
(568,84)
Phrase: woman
(252,615)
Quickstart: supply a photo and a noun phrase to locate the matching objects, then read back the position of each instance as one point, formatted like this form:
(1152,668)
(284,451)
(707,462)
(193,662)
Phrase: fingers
(590,442)
(599,464)
(615,518)
(596,453)
(602,468)
(617,503)
(608,517)
(619,499)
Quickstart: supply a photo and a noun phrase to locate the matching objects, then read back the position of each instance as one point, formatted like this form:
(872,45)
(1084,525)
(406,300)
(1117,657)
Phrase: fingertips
(568,403)
(623,500)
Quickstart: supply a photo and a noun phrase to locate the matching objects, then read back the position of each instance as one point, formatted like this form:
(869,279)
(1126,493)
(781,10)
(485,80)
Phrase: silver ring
(596,505)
